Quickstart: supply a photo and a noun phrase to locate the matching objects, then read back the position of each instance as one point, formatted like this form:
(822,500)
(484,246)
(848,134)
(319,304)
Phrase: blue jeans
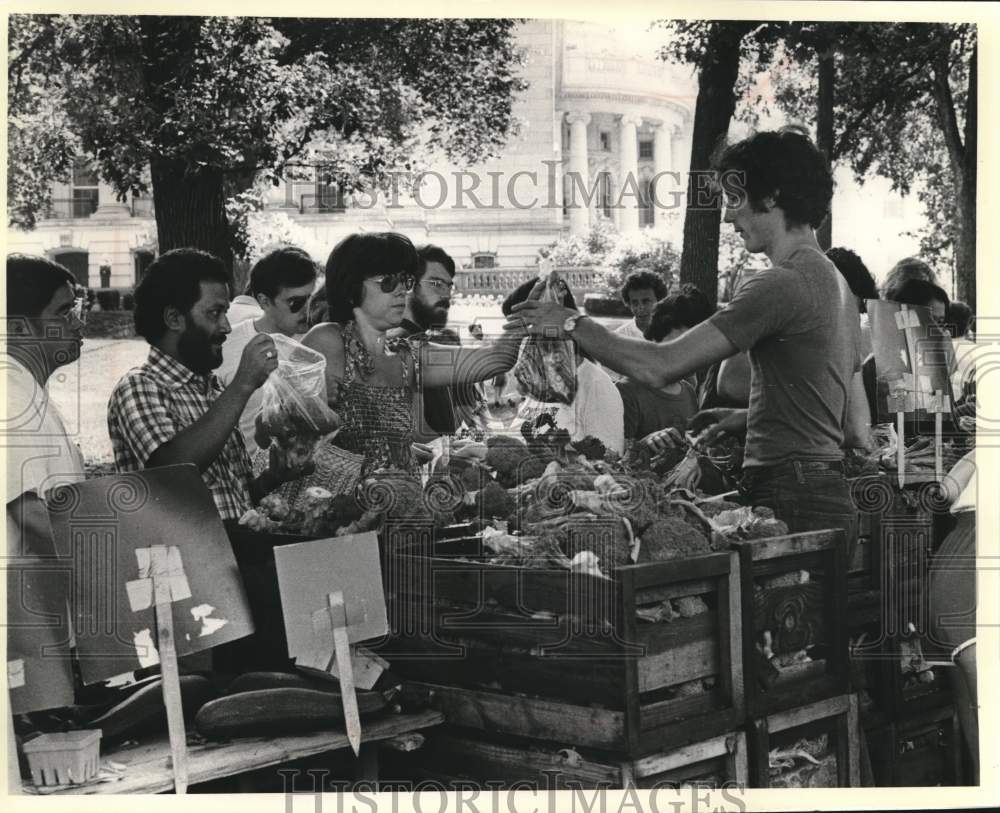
(808,495)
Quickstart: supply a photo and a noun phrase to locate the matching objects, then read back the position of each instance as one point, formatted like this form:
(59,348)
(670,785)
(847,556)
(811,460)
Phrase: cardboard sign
(39,675)
(309,571)
(117,533)
(914,359)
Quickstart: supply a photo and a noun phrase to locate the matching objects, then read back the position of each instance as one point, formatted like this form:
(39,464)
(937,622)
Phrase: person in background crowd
(863,286)
(799,322)
(44,332)
(281,282)
(959,325)
(640,293)
(952,595)
(476,331)
(913,291)
(372,377)
(906,269)
(173,409)
(649,409)
(597,410)
(426,315)
(245,306)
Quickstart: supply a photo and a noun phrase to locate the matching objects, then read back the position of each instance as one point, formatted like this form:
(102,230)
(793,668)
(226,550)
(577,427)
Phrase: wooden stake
(901,448)
(171,683)
(939,408)
(345,669)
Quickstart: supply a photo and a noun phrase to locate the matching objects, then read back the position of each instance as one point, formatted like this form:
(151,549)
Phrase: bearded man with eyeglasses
(281,282)
(426,315)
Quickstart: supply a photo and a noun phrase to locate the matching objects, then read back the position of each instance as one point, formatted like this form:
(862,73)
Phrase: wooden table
(147,764)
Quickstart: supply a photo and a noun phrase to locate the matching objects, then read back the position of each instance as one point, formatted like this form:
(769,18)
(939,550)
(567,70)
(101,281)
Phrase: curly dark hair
(853,269)
(642,281)
(684,308)
(781,164)
(906,269)
(173,279)
(359,257)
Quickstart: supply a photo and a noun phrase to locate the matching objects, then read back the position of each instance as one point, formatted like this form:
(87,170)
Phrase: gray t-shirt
(799,321)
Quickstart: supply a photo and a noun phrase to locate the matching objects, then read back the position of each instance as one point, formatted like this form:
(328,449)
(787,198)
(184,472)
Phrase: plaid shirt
(154,402)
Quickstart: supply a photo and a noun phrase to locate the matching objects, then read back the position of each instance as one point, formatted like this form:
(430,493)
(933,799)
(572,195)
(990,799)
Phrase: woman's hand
(663,440)
(539,318)
(709,424)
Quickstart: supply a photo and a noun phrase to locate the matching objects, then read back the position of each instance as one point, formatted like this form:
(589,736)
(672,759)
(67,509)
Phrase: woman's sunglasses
(296,303)
(388,283)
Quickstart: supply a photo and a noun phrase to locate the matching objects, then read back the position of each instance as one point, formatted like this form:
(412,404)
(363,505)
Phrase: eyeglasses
(296,303)
(390,282)
(439,285)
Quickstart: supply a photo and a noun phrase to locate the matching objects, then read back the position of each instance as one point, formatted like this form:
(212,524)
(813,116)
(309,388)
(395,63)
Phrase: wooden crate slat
(790,545)
(681,663)
(721,746)
(484,759)
(806,714)
(530,717)
(677,570)
(654,595)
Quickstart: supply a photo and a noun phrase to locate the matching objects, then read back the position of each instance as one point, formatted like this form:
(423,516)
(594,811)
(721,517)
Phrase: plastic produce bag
(546,368)
(294,413)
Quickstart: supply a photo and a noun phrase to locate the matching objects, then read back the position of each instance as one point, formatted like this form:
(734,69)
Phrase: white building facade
(602,118)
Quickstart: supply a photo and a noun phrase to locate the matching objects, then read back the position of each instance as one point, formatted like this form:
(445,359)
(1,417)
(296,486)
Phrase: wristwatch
(570,324)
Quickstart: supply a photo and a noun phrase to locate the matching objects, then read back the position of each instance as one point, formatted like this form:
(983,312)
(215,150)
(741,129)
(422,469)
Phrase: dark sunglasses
(390,282)
(296,303)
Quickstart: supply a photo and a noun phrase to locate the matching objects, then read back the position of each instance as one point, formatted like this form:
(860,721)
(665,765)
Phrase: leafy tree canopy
(231,99)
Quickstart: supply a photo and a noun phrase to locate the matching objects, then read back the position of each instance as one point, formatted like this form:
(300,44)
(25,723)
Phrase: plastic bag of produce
(546,368)
(294,414)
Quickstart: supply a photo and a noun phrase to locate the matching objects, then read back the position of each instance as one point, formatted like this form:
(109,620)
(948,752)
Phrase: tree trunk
(962,158)
(190,209)
(824,133)
(712,114)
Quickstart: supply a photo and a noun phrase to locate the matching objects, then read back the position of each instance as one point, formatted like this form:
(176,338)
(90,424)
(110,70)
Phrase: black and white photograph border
(570,151)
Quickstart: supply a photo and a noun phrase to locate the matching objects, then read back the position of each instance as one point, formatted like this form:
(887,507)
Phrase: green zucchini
(273,712)
(144,711)
(256,681)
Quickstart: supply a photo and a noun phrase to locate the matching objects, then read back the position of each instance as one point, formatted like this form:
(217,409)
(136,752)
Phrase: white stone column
(628,214)
(579,173)
(663,163)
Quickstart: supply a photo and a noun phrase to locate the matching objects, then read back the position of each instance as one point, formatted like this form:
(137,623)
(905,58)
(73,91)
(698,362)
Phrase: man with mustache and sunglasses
(281,282)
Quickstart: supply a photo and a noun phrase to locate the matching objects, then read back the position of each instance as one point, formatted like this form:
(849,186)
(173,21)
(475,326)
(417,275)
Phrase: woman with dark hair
(597,410)
(371,378)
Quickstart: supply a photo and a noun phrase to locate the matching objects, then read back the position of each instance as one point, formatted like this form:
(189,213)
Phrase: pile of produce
(808,763)
(540,501)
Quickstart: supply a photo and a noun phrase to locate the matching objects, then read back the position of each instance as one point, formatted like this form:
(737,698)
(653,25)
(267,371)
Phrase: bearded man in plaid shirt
(173,409)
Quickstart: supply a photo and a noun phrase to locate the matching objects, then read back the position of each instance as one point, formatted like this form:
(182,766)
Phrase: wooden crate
(834,717)
(456,757)
(924,751)
(561,656)
(877,669)
(811,615)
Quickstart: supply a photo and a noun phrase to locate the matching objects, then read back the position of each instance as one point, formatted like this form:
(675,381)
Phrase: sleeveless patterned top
(377,421)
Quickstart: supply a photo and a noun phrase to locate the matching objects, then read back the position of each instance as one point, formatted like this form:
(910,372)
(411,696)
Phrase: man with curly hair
(798,320)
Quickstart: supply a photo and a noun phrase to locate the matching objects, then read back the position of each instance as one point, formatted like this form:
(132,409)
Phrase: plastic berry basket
(64,758)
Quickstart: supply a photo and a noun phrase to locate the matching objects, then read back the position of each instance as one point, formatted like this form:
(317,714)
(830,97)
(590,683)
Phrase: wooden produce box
(783,616)
(456,757)
(562,656)
(924,751)
(833,721)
